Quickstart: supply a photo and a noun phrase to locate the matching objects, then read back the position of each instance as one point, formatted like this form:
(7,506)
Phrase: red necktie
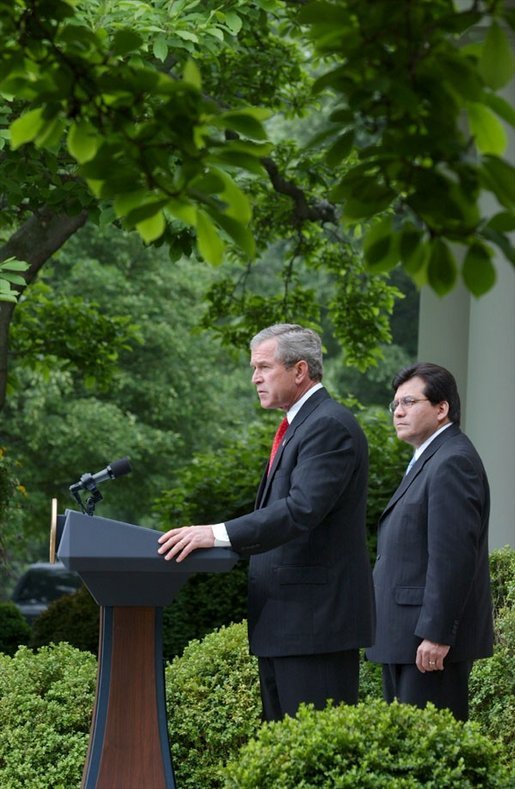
(281,430)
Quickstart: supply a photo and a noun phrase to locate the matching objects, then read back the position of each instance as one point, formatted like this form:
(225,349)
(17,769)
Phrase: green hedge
(45,714)
(72,618)
(492,686)
(502,573)
(212,697)
(213,705)
(368,746)
(14,629)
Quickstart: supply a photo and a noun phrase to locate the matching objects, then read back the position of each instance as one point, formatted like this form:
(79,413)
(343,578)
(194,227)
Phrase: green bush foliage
(45,714)
(370,679)
(208,601)
(371,745)
(72,618)
(492,681)
(213,705)
(502,573)
(14,629)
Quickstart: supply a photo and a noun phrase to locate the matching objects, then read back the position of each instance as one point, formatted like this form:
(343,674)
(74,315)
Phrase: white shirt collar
(298,405)
(432,437)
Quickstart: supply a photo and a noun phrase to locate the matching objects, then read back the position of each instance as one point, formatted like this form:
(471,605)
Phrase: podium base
(128,746)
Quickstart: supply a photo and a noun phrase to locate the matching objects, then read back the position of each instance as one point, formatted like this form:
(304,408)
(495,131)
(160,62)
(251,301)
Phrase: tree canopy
(159,115)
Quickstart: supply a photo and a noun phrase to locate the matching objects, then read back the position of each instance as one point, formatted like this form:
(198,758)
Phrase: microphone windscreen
(120,467)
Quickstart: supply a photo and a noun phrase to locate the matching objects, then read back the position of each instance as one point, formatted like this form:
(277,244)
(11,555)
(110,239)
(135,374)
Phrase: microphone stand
(88,483)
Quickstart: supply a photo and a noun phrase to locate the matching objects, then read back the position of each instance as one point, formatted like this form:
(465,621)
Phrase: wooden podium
(131,582)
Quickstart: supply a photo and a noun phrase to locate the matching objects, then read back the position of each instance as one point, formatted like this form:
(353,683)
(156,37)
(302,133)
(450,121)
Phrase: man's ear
(443,411)
(301,371)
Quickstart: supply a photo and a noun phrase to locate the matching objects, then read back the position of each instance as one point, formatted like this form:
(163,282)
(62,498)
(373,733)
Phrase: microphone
(118,468)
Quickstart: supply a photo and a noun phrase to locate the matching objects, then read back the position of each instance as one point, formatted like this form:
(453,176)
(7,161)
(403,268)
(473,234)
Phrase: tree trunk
(34,242)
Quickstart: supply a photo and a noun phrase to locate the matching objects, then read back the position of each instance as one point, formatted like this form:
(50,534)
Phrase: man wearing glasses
(431,578)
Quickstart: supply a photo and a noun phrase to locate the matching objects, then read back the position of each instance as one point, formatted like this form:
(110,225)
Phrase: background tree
(151,125)
(107,362)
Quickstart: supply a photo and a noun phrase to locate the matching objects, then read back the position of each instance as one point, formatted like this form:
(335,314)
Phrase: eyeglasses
(405,402)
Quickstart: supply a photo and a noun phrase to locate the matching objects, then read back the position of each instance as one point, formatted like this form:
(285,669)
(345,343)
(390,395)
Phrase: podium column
(128,746)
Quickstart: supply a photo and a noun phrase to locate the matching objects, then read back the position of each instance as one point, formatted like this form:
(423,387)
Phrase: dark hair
(440,385)
(294,343)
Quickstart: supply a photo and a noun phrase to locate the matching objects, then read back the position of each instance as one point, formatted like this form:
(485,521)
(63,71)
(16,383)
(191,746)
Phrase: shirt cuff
(221,537)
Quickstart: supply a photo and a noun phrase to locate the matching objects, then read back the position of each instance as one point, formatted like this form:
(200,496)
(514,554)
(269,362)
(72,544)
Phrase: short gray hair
(294,344)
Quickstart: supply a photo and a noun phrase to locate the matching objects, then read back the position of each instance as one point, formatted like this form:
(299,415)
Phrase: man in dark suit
(310,603)
(431,578)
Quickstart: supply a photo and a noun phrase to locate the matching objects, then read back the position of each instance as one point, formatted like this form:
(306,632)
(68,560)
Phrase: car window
(46,586)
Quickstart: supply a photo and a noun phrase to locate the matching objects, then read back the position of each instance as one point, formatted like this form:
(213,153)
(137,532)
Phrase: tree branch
(319,211)
(35,242)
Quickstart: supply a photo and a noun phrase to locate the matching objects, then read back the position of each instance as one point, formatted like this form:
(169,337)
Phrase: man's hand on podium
(178,543)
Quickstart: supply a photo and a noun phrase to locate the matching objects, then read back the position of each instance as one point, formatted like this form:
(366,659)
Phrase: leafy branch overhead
(117,109)
(417,134)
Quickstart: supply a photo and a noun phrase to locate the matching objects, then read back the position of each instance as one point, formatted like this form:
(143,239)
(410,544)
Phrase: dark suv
(40,585)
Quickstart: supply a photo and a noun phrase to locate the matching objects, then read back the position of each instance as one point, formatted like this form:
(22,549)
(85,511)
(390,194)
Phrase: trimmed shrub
(370,679)
(208,601)
(72,618)
(14,629)
(46,701)
(492,686)
(213,705)
(502,573)
(370,745)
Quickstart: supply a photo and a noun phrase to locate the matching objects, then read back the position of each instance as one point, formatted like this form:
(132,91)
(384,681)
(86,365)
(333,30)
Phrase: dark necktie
(281,430)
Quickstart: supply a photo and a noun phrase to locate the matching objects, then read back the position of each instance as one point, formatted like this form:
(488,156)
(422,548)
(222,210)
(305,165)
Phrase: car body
(40,585)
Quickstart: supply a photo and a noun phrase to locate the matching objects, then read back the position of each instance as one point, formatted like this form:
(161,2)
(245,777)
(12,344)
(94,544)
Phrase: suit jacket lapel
(307,409)
(416,469)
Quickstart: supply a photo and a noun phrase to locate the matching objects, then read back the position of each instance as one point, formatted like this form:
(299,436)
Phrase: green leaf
(125,41)
(502,241)
(187,36)
(83,141)
(238,204)
(501,107)
(478,271)
(12,264)
(146,210)
(152,228)
(380,247)
(233,22)
(183,210)
(209,243)
(413,251)
(9,296)
(192,75)
(441,270)
(340,149)
(160,48)
(504,222)
(244,122)
(488,131)
(27,127)
(126,202)
(234,158)
(239,233)
(322,12)
(497,63)
(16,279)
(499,176)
